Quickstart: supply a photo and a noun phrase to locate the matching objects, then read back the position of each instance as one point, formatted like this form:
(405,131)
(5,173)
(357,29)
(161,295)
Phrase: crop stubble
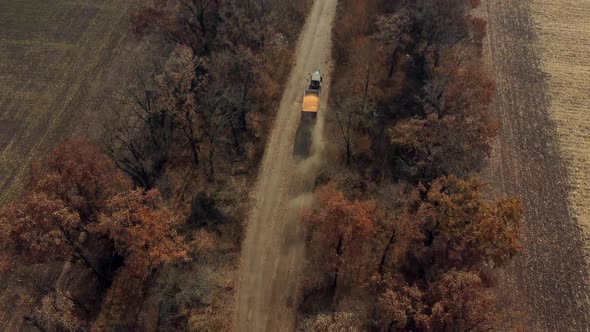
(53,56)
(538,51)
(564,42)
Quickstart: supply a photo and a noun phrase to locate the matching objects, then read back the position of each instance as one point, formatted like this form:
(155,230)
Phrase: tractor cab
(315,82)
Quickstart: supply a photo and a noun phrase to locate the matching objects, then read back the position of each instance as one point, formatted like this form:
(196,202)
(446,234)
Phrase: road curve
(273,250)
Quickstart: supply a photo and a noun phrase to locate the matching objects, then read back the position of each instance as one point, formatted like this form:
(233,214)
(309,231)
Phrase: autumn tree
(391,29)
(354,113)
(79,175)
(429,276)
(454,134)
(65,195)
(434,250)
(443,24)
(143,231)
(342,226)
(354,22)
(209,118)
(403,231)
(451,225)
(331,322)
(241,80)
(462,301)
(454,301)
(465,229)
(400,306)
(59,311)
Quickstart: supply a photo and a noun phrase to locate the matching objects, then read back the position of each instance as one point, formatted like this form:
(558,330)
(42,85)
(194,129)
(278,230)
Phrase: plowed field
(55,72)
(538,51)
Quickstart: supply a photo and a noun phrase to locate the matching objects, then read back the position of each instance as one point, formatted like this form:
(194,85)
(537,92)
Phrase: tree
(63,199)
(179,88)
(349,115)
(332,322)
(454,301)
(142,230)
(461,301)
(400,307)
(221,117)
(404,232)
(429,277)
(191,23)
(58,310)
(79,175)
(459,87)
(443,24)
(355,112)
(392,28)
(248,24)
(465,229)
(454,134)
(141,138)
(450,225)
(342,226)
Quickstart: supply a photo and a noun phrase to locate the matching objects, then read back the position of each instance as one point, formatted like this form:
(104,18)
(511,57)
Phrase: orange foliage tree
(462,301)
(341,225)
(450,225)
(65,194)
(455,301)
(467,230)
(432,280)
(454,134)
(78,197)
(142,230)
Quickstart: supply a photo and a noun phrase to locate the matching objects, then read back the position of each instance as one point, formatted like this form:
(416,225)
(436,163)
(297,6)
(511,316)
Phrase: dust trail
(274,248)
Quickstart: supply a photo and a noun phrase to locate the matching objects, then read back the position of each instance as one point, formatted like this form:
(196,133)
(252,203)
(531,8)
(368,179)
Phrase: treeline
(402,236)
(79,208)
(209,102)
(143,231)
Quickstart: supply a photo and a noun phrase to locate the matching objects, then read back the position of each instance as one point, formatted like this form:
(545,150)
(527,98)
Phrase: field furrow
(538,51)
(52,56)
(564,42)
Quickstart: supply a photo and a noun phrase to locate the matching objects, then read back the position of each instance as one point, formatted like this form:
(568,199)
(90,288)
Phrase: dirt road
(273,249)
(551,273)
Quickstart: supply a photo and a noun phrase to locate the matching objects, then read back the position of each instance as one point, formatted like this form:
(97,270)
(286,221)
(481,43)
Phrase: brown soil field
(274,248)
(564,43)
(55,74)
(538,51)
(60,62)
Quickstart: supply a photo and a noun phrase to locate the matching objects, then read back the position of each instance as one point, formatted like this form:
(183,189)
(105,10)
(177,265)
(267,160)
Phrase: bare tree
(223,113)
(140,137)
(179,93)
(391,29)
(350,114)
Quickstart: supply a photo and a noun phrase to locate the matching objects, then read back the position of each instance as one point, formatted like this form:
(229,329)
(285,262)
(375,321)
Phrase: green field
(59,61)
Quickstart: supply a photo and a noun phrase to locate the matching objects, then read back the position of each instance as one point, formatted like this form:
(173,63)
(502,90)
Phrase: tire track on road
(274,248)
